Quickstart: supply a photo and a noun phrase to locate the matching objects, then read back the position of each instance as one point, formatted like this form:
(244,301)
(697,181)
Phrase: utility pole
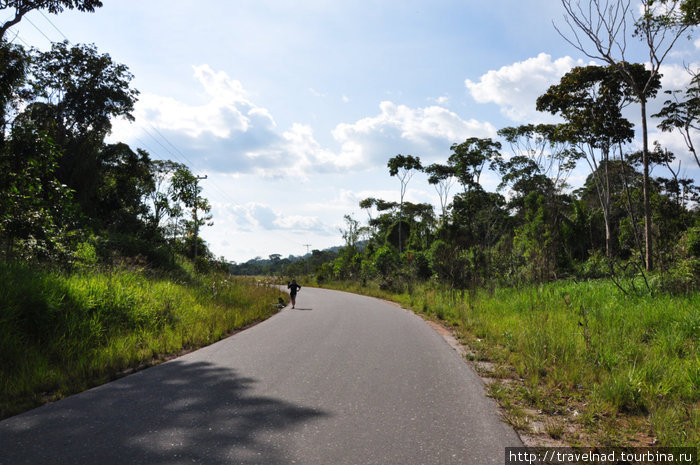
(196,223)
(307,258)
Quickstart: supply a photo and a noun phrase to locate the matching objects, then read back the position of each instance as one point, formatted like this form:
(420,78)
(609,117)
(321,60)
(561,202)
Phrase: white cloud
(516,87)
(228,111)
(697,44)
(674,142)
(345,98)
(427,132)
(220,85)
(316,93)
(257,216)
(443,100)
(226,131)
(675,76)
(229,133)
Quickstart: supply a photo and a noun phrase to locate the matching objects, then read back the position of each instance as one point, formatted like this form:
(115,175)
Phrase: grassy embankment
(61,333)
(580,362)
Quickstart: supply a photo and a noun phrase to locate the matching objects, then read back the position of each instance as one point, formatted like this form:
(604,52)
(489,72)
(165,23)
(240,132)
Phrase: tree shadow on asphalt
(170,414)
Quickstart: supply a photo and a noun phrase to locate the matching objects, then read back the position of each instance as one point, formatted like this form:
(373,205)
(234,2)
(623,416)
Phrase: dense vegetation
(63,332)
(101,266)
(66,189)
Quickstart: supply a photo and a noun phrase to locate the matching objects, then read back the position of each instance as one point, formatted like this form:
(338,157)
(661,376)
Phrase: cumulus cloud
(516,87)
(427,132)
(443,100)
(229,133)
(676,76)
(257,216)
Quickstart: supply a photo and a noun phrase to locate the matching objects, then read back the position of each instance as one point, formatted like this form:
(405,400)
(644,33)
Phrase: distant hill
(290,266)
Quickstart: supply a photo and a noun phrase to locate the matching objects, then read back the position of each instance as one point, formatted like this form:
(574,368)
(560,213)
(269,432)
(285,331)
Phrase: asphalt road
(341,379)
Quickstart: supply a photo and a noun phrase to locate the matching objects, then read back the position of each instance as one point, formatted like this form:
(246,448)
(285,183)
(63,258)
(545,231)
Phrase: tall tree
(544,148)
(469,159)
(34,206)
(13,62)
(604,25)
(161,208)
(442,177)
(591,99)
(124,181)
(186,190)
(77,92)
(403,167)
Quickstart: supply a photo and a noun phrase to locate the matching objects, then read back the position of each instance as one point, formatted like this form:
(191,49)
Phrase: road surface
(341,379)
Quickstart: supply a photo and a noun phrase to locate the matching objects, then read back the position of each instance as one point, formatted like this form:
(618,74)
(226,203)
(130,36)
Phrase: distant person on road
(293,288)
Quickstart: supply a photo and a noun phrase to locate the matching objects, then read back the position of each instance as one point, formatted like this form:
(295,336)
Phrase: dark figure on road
(293,288)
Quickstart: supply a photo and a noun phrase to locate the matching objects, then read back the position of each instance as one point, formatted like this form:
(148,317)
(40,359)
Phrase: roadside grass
(61,333)
(605,369)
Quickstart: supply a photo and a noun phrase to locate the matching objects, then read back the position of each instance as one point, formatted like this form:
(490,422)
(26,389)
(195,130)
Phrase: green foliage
(691,242)
(469,159)
(60,332)
(682,113)
(534,239)
(85,254)
(81,89)
(36,207)
(684,275)
(420,265)
(62,183)
(583,344)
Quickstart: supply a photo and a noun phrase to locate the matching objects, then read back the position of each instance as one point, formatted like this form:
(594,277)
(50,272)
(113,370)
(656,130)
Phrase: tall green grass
(587,346)
(61,333)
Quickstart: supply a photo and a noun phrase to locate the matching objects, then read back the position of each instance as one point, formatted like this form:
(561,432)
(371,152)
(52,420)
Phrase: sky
(293,108)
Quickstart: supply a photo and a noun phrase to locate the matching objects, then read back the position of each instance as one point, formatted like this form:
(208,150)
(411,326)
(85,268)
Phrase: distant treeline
(293,265)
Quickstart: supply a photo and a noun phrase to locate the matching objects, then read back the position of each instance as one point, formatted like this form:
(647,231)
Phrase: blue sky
(292,109)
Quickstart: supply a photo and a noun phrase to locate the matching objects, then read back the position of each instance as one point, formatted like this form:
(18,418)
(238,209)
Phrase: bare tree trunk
(645,190)
(633,218)
(606,205)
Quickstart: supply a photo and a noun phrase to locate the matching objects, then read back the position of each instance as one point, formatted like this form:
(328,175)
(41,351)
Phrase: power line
(20,39)
(54,26)
(37,28)
(179,155)
(183,161)
(187,162)
(172,145)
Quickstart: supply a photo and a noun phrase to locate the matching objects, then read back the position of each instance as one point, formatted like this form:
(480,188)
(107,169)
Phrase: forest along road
(341,379)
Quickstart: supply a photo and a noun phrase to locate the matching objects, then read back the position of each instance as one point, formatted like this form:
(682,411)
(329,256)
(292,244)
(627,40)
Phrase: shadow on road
(173,413)
(302,309)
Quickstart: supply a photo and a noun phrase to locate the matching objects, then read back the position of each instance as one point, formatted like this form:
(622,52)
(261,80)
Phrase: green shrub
(62,332)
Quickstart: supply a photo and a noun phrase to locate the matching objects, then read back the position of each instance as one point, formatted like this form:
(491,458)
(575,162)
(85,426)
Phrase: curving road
(341,379)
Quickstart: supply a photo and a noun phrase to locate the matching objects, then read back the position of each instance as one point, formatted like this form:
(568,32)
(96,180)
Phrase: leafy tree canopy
(470,158)
(19,8)
(83,88)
